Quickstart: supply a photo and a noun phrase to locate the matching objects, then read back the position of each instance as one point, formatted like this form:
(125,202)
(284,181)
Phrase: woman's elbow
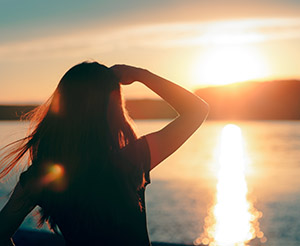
(201,111)
(198,114)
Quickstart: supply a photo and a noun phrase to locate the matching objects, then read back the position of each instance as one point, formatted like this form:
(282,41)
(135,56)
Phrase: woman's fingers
(127,74)
(124,76)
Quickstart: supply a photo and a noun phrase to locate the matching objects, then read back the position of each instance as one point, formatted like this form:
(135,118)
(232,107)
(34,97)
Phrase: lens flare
(55,105)
(233,220)
(54,177)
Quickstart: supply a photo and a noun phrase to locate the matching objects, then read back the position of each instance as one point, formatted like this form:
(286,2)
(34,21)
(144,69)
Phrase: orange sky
(193,43)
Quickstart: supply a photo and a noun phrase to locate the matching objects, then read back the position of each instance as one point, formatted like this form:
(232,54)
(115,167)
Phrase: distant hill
(14,112)
(274,100)
(137,109)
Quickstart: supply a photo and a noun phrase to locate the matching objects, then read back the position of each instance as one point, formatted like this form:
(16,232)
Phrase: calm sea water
(183,187)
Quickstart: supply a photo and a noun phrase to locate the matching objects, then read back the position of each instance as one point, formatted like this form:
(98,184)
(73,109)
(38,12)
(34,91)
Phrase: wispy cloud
(167,35)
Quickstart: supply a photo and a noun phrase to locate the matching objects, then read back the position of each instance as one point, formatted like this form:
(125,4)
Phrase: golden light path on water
(232,221)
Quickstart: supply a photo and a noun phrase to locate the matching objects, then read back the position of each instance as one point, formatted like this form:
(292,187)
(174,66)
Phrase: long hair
(78,134)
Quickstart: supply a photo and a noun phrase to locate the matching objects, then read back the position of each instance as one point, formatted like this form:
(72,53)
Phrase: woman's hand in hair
(128,74)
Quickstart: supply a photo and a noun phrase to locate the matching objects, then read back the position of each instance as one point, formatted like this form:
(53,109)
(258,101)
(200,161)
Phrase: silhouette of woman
(87,170)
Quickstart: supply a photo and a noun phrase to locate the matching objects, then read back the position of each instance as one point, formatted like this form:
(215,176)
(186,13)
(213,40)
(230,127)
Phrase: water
(183,187)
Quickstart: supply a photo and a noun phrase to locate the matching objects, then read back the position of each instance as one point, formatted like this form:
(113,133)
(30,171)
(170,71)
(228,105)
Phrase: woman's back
(98,212)
(88,170)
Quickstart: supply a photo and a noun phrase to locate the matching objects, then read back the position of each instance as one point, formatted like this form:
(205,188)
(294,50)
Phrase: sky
(195,43)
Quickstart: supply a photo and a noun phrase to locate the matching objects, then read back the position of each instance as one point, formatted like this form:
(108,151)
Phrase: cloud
(165,35)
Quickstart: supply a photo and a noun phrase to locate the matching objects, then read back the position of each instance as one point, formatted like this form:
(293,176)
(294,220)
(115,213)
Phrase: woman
(87,168)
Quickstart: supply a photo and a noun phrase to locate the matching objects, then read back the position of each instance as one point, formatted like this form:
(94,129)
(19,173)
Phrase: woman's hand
(127,74)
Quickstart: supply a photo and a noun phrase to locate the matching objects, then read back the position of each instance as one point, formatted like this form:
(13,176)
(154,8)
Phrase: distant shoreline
(274,100)
(138,110)
(14,112)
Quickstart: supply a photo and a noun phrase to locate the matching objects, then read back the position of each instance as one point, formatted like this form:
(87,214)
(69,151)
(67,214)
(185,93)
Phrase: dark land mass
(137,109)
(14,112)
(274,100)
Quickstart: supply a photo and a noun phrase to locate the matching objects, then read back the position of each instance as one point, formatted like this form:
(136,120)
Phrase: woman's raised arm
(191,109)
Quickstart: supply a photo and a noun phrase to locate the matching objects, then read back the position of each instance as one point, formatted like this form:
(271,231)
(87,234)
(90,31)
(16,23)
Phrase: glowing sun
(230,64)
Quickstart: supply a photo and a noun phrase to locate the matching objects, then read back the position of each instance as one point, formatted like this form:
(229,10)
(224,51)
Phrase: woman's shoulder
(28,176)
(29,182)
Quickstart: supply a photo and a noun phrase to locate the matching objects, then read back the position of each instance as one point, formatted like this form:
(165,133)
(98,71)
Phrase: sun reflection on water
(233,220)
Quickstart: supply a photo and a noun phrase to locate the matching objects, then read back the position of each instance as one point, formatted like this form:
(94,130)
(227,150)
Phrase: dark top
(120,225)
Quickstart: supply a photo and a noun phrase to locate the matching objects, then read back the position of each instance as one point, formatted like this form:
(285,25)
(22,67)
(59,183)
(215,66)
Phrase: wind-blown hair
(82,128)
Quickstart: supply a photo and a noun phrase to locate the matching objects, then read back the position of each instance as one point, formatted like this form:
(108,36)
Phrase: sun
(229,64)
